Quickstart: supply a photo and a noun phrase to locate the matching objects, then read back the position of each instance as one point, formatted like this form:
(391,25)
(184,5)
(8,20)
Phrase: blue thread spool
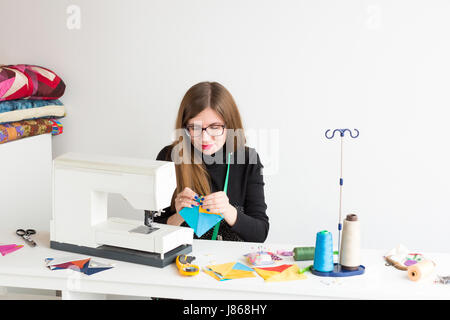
(323,255)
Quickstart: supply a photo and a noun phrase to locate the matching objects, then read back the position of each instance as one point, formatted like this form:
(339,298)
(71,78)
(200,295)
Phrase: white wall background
(295,68)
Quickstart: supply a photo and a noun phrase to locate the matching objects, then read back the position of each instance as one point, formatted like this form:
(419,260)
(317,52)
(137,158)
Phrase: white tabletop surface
(26,268)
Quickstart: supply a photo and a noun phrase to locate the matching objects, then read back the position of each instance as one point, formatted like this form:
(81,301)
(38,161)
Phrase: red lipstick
(206,146)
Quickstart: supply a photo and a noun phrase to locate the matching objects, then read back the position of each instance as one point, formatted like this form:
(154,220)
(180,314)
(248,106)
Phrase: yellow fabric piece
(266,274)
(200,209)
(223,269)
(226,272)
(236,274)
(212,274)
(291,273)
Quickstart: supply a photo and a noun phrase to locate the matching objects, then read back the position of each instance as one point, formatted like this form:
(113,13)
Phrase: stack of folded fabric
(29,102)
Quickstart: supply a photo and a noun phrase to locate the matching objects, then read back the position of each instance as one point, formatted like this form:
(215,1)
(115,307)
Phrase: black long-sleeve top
(245,192)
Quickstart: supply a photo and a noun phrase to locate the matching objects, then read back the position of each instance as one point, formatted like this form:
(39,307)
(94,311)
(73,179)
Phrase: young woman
(209,127)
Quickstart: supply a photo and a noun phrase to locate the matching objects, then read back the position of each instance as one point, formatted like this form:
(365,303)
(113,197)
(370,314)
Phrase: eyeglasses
(214,130)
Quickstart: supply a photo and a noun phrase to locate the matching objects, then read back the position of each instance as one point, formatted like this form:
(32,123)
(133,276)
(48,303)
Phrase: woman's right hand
(186,198)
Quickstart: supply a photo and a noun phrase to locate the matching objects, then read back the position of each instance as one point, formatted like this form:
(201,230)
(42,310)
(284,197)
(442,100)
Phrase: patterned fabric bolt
(27,128)
(24,81)
(12,105)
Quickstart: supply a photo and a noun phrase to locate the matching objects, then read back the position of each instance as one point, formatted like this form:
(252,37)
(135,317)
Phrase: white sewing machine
(80,223)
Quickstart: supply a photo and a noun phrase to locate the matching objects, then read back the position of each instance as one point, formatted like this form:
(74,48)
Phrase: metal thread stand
(341,182)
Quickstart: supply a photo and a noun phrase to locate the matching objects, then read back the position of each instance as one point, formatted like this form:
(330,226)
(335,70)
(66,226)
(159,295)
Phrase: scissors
(25,234)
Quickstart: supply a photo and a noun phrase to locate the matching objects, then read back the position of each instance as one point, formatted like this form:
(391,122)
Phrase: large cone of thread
(323,257)
(350,257)
(323,254)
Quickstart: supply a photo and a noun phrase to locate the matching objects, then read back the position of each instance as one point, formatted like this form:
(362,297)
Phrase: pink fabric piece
(5,85)
(4,250)
(67,265)
(7,247)
(285,253)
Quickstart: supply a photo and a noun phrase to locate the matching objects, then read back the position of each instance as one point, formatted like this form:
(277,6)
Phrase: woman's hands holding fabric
(185,198)
(218,202)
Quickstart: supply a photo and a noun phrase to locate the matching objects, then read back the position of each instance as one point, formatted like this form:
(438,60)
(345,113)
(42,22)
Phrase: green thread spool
(304,253)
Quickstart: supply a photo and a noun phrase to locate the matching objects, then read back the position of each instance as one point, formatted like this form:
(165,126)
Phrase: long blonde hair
(199,97)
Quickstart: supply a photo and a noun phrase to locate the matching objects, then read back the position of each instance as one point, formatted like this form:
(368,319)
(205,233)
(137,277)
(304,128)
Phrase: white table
(25,268)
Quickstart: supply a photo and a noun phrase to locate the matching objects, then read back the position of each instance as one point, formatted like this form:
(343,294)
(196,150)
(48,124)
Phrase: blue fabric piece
(190,215)
(86,270)
(90,271)
(199,221)
(240,266)
(20,104)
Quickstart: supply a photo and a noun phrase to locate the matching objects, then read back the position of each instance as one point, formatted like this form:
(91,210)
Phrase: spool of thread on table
(304,253)
(420,270)
(350,245)
(323,253)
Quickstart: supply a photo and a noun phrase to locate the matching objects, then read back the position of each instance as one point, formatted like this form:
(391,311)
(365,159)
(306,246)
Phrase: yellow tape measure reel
(185,267)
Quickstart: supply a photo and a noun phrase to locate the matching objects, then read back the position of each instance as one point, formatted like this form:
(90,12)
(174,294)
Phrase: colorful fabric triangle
(228,271)
(199,219)
(278,268)
(281,273)
(8,248)
(86,265)
(74,265)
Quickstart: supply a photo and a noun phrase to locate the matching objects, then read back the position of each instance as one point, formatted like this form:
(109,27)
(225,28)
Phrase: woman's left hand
(218,202)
